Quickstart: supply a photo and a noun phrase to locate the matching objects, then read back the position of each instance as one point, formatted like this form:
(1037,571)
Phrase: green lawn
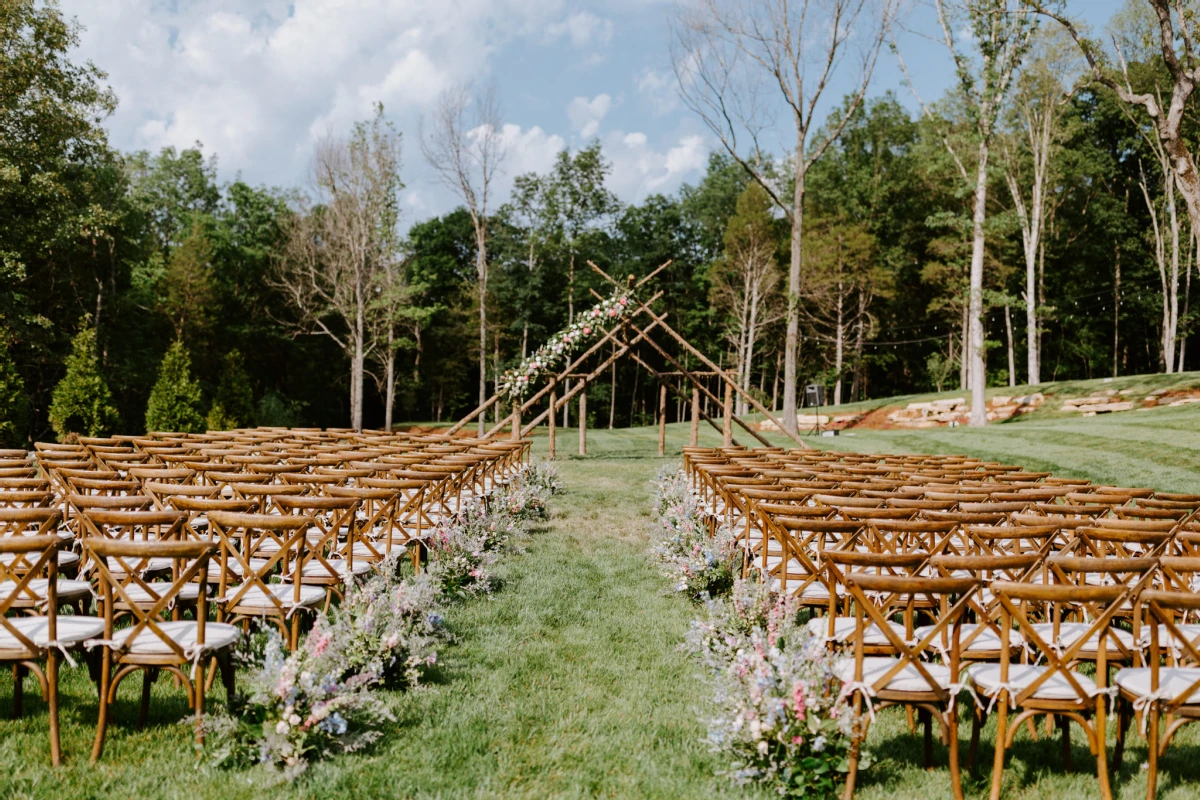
(570,681)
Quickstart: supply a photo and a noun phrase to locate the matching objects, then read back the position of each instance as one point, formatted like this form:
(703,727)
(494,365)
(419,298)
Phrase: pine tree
(175,399)
(14,405)
(233,405)
(82,404)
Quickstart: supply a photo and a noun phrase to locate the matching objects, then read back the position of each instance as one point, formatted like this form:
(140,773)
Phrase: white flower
(763,748)
(281,727)
(294,719)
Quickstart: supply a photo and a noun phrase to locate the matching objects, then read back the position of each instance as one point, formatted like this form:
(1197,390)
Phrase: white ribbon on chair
(956,689)
(1142,705)
(1008,688)
(867,691)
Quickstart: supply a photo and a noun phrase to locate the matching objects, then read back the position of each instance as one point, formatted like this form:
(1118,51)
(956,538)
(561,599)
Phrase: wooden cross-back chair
(903,677)
(151,642)
(1052,685)
(1166,691)
(156,575)
(29,639)
(260,546)
(328,557)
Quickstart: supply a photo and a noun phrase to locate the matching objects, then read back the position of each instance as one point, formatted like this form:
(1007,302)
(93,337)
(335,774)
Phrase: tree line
(1036,222)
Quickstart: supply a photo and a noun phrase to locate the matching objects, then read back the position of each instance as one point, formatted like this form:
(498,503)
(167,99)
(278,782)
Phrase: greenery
(175,399)
(14,406)
(82,403)
(155,247)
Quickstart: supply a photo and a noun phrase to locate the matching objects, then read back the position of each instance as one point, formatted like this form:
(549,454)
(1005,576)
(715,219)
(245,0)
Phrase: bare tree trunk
(1117,312)
(1187,296)
(978,370)
(775,387)
(791,342)
(357,372)
(496,369)
(612,394)
(481,273)
(857,389)
(1012,364)
(838,349)
(964,365)
(390,378)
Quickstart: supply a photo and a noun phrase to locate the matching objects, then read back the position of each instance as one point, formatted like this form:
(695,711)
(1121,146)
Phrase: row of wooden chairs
(184,541)
(944,575)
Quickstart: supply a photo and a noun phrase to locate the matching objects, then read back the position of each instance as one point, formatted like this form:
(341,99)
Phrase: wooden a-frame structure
(625,336)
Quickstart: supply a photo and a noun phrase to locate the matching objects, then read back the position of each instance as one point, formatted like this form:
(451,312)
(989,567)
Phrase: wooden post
(727,420)
(553,398)
(516,418)
(662,420)
(695,437)
(583,423)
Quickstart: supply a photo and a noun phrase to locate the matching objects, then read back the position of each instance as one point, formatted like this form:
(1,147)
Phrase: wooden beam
(552,419)
(582,422)
(566,372)
(759,407)
(694,439)
(727,419)
(592,376)
(716,400)
(679,392)
(662,420)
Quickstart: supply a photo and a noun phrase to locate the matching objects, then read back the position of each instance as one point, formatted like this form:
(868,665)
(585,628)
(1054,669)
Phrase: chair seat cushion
(65,558)
(68,590)
(184,633)
(257,600)
(1172,682)
(907,679)
(986,678)
(332,569)
(71,631)
(985,641)
(844,631)
(154,564)
(1071,632)
(189,593)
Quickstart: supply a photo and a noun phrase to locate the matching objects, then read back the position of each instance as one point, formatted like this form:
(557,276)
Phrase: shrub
(233,402)
(14,405)
(175,399)
(82,404)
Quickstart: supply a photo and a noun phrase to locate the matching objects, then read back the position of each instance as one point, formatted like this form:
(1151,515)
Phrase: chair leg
(978,719)
(52,702)
(198,690)
(1123,719)
(1064,726)
(952,741)
(1152,748)
(148,677)
(18,691)
(927,723)
(102,719)
(998,758)
(228,677)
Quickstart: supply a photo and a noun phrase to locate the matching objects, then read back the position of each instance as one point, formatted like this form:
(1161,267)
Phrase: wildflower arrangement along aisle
(779,715)
(326,697)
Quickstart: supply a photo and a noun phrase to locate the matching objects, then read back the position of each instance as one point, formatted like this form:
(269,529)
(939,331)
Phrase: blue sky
(257,81)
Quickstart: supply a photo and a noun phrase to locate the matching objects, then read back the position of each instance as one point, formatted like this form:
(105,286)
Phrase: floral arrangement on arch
(555,353)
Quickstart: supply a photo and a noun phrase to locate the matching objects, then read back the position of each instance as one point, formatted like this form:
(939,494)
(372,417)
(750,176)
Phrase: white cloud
(255,81)
(584,29)
(586,115)
(640,169)
(658,89)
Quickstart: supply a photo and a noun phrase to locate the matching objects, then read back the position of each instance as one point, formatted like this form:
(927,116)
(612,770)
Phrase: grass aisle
(569,682)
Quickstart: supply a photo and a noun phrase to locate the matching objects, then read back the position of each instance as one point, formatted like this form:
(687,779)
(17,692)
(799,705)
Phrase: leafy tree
(233,402)
(175,399)
(82,404)
(14,405)
(187,287)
